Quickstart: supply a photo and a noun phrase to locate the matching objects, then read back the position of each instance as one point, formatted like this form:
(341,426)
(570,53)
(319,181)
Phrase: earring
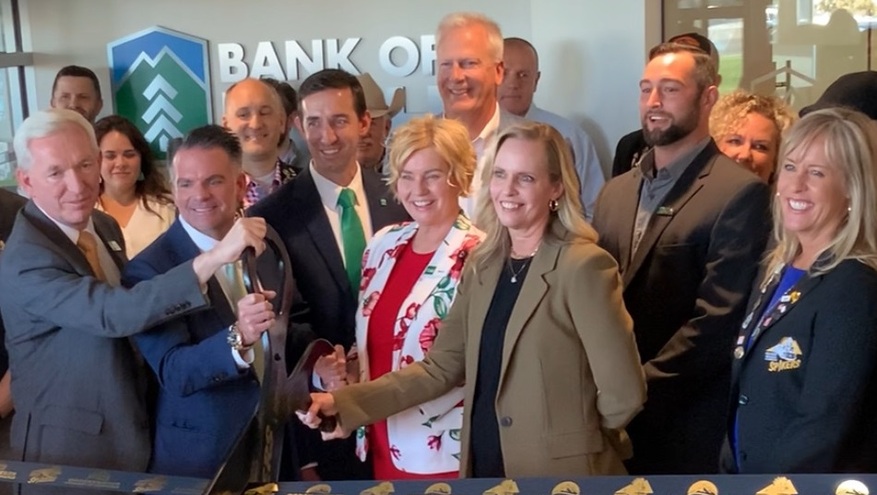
(141,177)
(553,205)
(849,208)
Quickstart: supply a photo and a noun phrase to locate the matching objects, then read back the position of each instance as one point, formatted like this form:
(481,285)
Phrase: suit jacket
(686,290)
(76,382)
(296,212)
(10,203)
(805,391)
(570,378)
(204,400)
(630,148)
(427,436)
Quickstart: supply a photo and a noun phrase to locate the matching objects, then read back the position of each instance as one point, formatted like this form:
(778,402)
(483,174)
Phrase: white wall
(591,51)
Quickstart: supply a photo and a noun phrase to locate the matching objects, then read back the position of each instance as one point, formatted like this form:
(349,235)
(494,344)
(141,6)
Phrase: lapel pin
(665,211)
(115,246)
(383,202)
(738,352)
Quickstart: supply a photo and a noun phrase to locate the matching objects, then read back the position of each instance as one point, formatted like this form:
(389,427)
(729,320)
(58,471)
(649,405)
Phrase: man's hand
(322,405)
(246,232)
(255,316)
(332,369)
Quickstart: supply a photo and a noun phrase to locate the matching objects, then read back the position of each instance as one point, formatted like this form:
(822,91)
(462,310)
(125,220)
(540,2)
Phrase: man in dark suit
(687,229)
(77,387)
(325,217)
(202,360)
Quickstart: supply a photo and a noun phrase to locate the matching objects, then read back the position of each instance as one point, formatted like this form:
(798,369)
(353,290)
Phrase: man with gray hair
(78,390)
(516,96)
(372,150)
(469,50)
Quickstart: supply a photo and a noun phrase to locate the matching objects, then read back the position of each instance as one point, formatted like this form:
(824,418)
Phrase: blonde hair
(558,158)
(449,138)
(465,19)
(730,111)
(850,144)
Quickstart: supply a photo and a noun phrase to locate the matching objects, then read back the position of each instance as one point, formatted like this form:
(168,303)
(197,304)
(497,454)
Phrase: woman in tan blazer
(538,332)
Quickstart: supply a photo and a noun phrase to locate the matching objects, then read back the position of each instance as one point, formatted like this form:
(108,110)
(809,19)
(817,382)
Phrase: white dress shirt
(206,243)
(480,144)
(329,192)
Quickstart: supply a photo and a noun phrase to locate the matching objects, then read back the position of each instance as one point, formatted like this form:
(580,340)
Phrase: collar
(291,153)
(70,232)
(329,191)
(202,241)
(675,169)
(489,128)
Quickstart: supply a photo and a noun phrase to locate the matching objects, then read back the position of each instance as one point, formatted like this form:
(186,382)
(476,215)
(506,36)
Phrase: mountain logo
(161,82)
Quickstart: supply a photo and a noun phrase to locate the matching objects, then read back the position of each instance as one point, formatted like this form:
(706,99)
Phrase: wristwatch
(235,339)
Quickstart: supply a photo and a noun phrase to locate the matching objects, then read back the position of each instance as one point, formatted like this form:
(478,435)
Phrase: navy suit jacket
(204,400)
(805,391)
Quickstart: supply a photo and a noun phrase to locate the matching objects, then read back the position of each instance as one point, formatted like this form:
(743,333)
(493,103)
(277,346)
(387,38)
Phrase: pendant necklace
(527,260)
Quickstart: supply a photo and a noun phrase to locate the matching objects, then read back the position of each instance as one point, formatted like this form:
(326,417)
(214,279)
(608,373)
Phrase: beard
(678,129)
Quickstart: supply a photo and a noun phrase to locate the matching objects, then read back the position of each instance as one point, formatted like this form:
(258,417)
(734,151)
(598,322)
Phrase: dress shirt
(329,192)
(656,184)
(111,270)
(145,226)
(206,243)
(587,163)
(480,144)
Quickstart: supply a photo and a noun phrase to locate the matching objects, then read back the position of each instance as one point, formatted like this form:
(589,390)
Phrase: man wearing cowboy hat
(372,151)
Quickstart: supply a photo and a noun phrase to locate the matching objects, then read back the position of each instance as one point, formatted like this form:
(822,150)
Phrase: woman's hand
(322,406)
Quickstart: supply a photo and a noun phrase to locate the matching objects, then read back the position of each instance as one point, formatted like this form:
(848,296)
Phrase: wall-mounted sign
(161,82)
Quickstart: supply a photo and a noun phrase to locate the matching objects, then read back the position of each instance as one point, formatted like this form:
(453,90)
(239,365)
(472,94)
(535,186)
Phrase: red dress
(379,342)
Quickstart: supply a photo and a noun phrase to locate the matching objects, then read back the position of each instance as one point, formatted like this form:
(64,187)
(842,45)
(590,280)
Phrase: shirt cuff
(244,359)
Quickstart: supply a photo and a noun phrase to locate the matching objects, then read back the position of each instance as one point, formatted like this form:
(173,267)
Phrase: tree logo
(161,82)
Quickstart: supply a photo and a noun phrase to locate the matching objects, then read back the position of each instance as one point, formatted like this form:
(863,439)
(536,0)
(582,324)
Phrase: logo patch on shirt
(784,356)
(115,246)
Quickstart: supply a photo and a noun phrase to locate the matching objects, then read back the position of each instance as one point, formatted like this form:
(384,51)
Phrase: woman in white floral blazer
(409,281)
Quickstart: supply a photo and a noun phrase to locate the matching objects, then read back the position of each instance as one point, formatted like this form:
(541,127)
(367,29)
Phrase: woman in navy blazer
(804,381)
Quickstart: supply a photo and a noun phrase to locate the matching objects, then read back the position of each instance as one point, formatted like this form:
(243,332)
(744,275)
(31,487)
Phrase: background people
(372,152)
(77,88)
(539,310)
(805,367)
(133,191)
(521,63)
(748,129)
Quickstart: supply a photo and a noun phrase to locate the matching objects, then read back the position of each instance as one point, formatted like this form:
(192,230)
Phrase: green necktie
(352,236)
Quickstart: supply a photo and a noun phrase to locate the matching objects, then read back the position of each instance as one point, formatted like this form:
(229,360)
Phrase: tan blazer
(570,379)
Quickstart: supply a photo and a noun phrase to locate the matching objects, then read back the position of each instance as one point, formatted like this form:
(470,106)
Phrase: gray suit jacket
(78,388)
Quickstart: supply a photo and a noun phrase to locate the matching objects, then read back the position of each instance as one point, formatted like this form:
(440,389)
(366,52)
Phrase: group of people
(496,309)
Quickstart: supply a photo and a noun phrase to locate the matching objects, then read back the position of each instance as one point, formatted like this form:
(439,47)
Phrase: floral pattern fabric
(426,438)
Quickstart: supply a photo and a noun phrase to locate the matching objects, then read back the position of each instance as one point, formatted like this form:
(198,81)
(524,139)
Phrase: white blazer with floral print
(424,439)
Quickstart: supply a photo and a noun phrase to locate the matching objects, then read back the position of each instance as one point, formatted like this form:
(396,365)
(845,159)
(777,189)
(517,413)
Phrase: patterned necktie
(352,236)
(235,276)
(88,245)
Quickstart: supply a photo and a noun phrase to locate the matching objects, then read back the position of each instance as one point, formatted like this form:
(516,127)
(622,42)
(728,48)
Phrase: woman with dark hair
(133,191)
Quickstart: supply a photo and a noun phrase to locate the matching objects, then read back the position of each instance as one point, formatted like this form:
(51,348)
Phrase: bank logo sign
(161,83)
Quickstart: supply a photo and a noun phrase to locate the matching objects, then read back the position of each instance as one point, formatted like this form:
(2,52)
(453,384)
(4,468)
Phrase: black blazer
(630,148)
(686,289)
(805,393)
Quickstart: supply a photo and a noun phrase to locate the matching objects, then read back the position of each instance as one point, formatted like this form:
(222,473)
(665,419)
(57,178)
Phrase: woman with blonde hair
(748,128)
(805,371)
(538,333)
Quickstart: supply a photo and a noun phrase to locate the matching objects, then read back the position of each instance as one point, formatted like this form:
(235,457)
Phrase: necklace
(526,261)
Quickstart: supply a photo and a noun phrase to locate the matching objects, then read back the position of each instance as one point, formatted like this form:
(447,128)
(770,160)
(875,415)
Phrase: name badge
(115,246)
(665,211)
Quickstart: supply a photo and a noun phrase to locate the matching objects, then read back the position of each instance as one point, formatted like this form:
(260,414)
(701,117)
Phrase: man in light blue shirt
(516,96)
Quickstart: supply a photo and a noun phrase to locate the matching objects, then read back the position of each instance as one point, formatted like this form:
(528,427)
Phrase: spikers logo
(161,83)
